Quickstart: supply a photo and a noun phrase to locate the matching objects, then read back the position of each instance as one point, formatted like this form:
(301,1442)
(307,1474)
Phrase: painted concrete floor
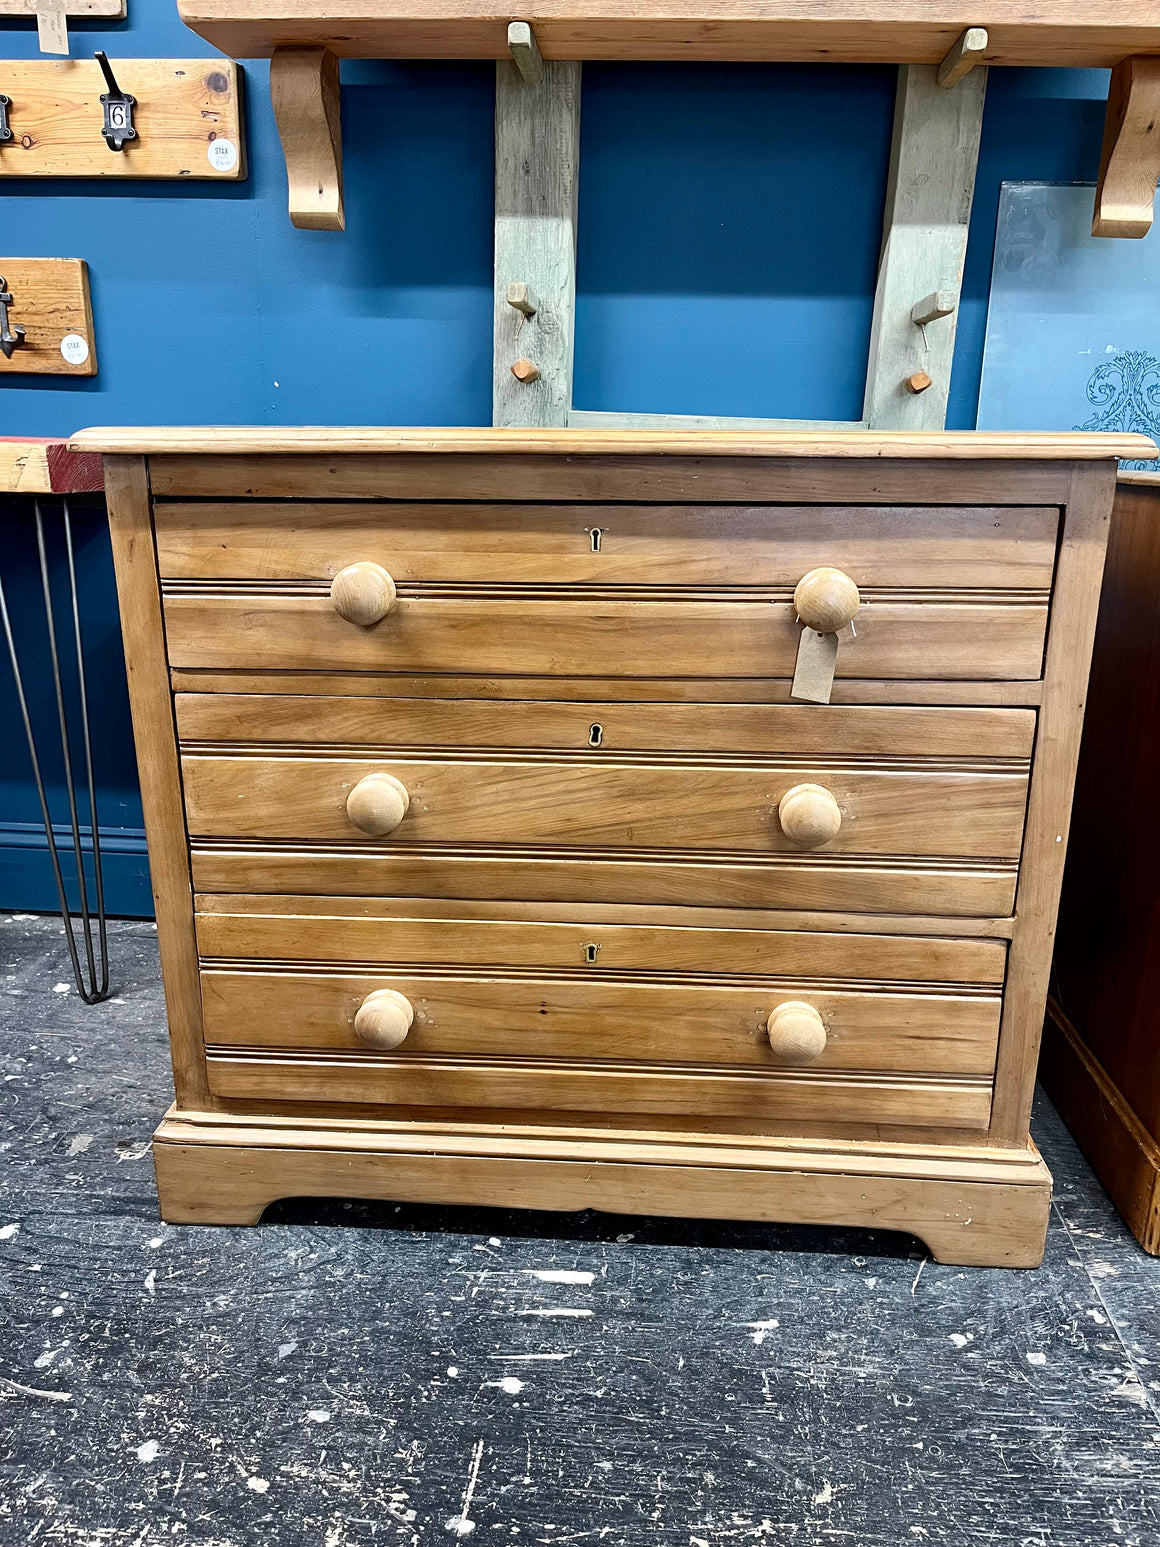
(349,1374)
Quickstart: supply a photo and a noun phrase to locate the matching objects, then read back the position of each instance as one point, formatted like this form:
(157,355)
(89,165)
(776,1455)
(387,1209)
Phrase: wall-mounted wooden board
(50,301)
(106,10)
(1066,32)
(31,466)
(188,118)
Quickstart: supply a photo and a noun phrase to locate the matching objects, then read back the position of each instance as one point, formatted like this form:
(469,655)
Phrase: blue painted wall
(730,219)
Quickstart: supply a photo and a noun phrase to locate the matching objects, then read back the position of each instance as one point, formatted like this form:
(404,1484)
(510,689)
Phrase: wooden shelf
(1079,32)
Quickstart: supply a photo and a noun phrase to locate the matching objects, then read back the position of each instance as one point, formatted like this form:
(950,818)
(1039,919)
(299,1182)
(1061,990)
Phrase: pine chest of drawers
(496,862)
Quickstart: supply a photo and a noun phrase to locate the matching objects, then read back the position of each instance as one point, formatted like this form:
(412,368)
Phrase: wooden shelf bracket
(525,52)
(1130,164)
(969,51)
(305,94)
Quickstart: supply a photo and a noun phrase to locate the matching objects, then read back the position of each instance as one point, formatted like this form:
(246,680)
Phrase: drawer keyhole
(590,954)
(595,735)
(596,533)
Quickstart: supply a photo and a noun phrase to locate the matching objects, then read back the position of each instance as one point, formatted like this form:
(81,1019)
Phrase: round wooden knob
(383,1019)
(362,593)
(826,599)
(797,1033)
(809,815)
(377,804)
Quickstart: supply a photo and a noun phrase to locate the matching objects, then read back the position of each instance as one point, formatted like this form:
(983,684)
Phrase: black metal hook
(11,338)
(118,106)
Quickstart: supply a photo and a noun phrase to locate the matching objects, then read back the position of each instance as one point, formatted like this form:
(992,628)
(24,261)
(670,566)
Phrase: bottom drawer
(559,1037)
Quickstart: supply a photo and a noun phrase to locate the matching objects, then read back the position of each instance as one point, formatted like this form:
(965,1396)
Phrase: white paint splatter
(46,1358)
(453,1370)
(158,1240)
(318,1415)
(758,1330)
(149,1451)
(8,1231)
(961,1339)
(134,1151)
(511,1358)
(494,1240)
(1036,1358)
(258,1484)
(461,1525)
(79,1145)
(560,1275)
(1099,1318)
(62,988)
(151,1281)
(286,1349)
(58,1310)
(559,1310)
(510,1383)
(826,1496)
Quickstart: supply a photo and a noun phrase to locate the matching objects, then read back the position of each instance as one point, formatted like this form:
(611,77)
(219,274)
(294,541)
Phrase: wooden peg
(962,59)
(304,90)
(525,52)
(526,370)
(940,303)
(919,382)
(523,298)
(1130,164)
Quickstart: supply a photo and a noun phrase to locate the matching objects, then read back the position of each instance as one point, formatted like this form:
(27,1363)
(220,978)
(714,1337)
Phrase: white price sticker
(223,155)
(74,348)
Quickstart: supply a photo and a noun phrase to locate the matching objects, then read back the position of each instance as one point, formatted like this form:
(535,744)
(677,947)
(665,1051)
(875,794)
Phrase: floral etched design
(1126,391)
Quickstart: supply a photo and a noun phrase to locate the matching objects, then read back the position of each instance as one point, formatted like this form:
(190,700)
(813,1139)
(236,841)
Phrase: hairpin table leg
(93,980)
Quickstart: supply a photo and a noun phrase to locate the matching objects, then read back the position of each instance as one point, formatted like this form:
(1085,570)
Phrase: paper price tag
(51,26)
(813,678)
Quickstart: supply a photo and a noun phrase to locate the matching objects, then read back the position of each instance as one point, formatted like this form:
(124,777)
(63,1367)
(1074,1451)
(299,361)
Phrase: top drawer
(989,548)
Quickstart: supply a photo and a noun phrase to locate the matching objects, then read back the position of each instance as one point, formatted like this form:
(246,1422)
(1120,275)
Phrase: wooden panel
(225,1171)
(601,690)
(1069,650)
(336,930)
(50,301)
(537,166)
(185,107)
(967,892)
(556,635)
(928,210)
(840,1098)
(704,475)
(337,443)
(538,1017)
(1074,32)
(110,10)
(594,806)
(1106,962)
(131,531)
(638,545)
(796,729)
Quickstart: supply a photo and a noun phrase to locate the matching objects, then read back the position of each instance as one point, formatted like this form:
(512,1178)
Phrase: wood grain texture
(131,530)
(601,690)
(569,1086)
(970,445)
(928,210)
(603,477)
(537,166)
(183,107)
(1069,651)
(989,547)
(1130,160)
(572,637)
(580,805)
(305,95)
(43,466)
(735,729)
(544,1017)
(1123,1154)
(974,896)
(50,300)
(342,930)
(831,31)
(1107,966)
(227,1173)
